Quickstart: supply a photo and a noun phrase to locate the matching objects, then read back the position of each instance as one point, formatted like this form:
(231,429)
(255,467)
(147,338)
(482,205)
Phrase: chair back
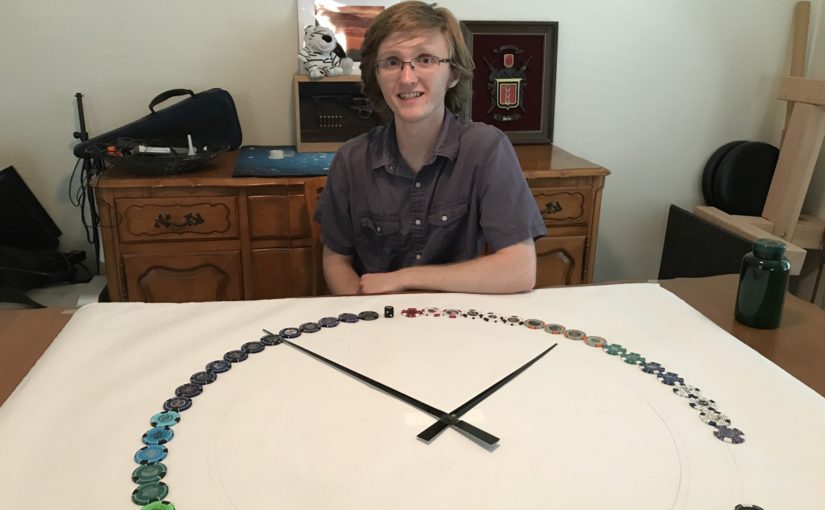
(312,190)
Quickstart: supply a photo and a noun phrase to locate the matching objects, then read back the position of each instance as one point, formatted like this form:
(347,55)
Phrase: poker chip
(534,324)
(159,505)
(328,322)
(513,320)
(412,313)
(687,391)
(595,341)
(729,435)
(146,473)
(451,313)
(472,313)
(491,317)
(165,419)
(714,418)
(614,350)
(575,334)
(253,347)
(148,492)
(310,327)
(178,404)
(554,329)
(349,318)
(157,435)
(651,367)
(203,378)
(188,390)
(270,339)
(218,367)
(430,311)
(151,454)
(290,333)
(670,378)
(368,316)
(702,404)
(632,358)
(235,356)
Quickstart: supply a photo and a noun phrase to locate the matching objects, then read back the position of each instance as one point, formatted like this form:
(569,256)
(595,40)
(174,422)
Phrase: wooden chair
(312,190)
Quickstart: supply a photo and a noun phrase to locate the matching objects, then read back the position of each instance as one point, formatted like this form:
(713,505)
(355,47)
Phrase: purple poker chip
(729,435)
(651,367)
(670,378)
(328,322)
(349,318)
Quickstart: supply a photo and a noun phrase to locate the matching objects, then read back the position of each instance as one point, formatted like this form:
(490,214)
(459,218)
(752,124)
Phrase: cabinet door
(559,260)
(183,277)
(281,272)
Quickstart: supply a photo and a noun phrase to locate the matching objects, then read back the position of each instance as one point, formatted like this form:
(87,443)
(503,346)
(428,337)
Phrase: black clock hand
(437,427)
(475,432)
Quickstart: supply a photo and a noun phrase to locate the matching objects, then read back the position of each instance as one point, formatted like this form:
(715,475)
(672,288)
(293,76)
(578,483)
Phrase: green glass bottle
(763,281)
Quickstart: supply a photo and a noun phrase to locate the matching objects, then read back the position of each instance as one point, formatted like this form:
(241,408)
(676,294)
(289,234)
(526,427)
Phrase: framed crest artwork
(514,87)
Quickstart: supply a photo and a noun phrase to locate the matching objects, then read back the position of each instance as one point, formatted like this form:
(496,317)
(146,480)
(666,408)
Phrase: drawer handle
(552,207)
(189,220)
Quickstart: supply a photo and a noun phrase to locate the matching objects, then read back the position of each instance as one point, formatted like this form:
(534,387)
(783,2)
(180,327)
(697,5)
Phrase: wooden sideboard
(208,236)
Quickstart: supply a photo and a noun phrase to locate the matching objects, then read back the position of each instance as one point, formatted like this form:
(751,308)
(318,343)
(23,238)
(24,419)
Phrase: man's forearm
(341,278)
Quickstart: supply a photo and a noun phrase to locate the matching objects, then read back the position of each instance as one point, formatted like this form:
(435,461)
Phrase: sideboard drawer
(564,206)
(179,218)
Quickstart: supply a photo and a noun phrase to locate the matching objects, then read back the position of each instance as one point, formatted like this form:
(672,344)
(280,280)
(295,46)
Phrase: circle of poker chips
(651,367)
(472,313)
(670,378)
(203,378)
(218,366)
(368,316)
(235,356)
(412,313)
(271,340)
(157,435)
(534,324)
(148,492)
(177,404)
(554,329)
(151,454)
(188,390)
(310,327)
(595,341)
(253,347)
(714,418)
(146,473)
(159,505)
(632,358)
(575,334)
(687,391)
(490,317)
(729,435)
(165,419)
(614,350)
(451,313)
(700,403)
(328,322)
(349,318)
(513,320)
(290,333)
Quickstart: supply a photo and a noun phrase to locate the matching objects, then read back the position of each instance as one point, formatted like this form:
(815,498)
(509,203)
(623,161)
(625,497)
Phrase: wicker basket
(178,162)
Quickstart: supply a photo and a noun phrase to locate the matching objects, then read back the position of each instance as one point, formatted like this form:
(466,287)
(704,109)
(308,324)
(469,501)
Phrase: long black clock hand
(437,427)
(465,427)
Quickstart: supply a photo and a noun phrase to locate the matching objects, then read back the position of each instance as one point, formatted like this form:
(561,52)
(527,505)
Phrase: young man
(410,205)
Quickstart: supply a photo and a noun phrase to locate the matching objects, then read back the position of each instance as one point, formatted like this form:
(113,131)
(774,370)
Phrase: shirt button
(418,222)
(418,256)
(417,184)
(444,218)
(378,229)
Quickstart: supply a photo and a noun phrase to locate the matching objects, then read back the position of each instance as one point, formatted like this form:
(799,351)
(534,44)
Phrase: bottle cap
(768,249)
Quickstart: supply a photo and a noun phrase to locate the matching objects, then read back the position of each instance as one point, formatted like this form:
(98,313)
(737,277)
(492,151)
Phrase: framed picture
(514,87)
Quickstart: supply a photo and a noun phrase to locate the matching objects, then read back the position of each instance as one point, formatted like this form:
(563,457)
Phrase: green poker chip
(615,350)
(146,493)
(633,358)
(159,505)
(148,473)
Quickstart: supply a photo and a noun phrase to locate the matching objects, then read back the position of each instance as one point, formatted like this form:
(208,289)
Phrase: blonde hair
(416,16)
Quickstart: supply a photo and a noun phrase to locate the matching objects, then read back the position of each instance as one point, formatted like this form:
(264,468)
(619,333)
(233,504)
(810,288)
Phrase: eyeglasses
(394,65)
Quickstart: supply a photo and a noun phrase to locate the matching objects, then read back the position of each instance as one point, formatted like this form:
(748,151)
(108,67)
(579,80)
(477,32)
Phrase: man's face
(415,95)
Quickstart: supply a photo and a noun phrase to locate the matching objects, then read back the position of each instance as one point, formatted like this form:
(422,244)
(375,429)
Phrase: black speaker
(24,223)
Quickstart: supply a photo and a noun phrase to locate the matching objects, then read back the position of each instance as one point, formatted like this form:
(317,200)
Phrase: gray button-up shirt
(470,191)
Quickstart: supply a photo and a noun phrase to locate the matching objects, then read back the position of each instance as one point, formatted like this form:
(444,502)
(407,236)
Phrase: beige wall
(647,88)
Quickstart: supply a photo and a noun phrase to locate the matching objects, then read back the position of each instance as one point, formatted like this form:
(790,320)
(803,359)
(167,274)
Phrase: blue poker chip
(178,404)
(310,327)
(670,378)
(730,435)
(368,315)
(203,378)
(349,318)
(270,339)
(651,367)
(157,435)
(235,356)
(165,419)
(218,366)
(253,347)
(290,333)
(151,454)
(328,322)
(188,390)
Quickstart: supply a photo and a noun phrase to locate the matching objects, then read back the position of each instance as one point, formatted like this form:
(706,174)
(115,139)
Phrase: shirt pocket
(447,236)
(378,238)
(448,216)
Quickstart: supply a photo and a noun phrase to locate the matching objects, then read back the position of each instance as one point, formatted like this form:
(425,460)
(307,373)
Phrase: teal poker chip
(595,341)
(534,324)
(632,358)
(159,505)
(165,419)
(157,435)
(554,329)
(146,493)
(575,334)
(148,473)
(151,454)
(615,350)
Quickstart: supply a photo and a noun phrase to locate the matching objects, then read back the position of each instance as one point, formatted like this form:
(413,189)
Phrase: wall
(646,88)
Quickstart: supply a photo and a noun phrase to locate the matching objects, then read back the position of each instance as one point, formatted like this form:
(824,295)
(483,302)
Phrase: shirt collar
(384,146)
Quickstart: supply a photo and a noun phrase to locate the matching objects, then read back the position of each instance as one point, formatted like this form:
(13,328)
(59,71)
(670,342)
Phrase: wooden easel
(802,141)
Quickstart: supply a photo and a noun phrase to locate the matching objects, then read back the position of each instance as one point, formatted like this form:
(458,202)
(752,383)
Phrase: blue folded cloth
(255,161)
